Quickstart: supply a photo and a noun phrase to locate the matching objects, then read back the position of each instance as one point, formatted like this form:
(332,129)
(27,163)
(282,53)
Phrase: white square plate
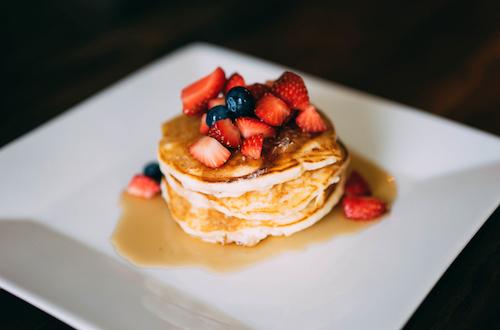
(60,187)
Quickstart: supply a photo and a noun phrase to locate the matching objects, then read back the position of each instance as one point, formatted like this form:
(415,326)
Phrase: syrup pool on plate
(147,236)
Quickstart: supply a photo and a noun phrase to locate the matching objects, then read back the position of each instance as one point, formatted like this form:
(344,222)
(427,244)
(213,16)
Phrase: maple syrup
(147,236)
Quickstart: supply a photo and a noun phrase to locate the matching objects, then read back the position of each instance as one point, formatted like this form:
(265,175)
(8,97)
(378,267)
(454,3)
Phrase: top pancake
(284,158)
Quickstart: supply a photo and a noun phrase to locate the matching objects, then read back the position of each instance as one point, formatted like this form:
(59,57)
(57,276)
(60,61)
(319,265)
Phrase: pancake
(281,203)
(286,157)
(213,226)
(298,179)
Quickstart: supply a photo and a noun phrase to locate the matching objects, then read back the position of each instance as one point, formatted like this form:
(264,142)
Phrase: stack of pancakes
(297,181)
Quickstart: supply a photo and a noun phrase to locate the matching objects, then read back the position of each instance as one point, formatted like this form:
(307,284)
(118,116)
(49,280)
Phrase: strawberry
(250,126)
(217,101)
(209,152)
(235,80)
(363,208)
(272,110)
(258,90)
(252,146)
(309,120)
(356,185)
(143,186)
(195,96)
(226,133)
(203,125)
(291,88)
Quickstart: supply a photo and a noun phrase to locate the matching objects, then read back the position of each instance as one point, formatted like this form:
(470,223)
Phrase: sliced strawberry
(363,208)
(252,146)
(258,90)
(290,87)
(226,133)
(272,110)
(309,120)
(203,125)
(195,96)
(143,186)
(250,126)
(217,101)
(235,80)
(356,185)
(209,152)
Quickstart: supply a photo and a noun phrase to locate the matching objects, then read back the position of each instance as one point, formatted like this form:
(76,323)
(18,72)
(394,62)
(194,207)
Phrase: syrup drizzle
(147,236)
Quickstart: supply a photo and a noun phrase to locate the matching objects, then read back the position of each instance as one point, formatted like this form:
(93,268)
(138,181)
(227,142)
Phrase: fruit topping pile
(236,117)
(146,184)
(358,202)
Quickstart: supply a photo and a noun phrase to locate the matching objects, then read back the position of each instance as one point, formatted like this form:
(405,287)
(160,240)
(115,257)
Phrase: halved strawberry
(258,90)
(309,120)
(356,185)
(226,133)
(291,88)
(252,146)
(143,186)
(203,125)
(272,110)
(217,101)
(363,208)
(195,96)
(235,80)
(250,126)
(209,152)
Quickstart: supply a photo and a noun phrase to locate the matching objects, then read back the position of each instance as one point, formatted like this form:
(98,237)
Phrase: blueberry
(240,102)
(217,113)
(152,170)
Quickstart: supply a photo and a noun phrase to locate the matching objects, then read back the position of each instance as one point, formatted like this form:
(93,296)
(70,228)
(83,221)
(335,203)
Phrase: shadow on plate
(86,288)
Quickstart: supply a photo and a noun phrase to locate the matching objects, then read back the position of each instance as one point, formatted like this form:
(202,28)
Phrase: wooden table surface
(441,56)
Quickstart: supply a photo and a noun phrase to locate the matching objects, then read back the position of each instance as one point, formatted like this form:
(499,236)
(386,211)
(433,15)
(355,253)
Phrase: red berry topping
(291,88)
(272,110)
(226,133)
(309,120)
(203,125)
(252,146)
(209,152)
(217,101)
(258,90)
(356,185)
(235,80)
(250,126)
(143,186)
(363,208)
(195,96)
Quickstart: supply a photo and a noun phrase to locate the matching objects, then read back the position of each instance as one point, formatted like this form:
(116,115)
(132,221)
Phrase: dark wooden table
(442,56)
